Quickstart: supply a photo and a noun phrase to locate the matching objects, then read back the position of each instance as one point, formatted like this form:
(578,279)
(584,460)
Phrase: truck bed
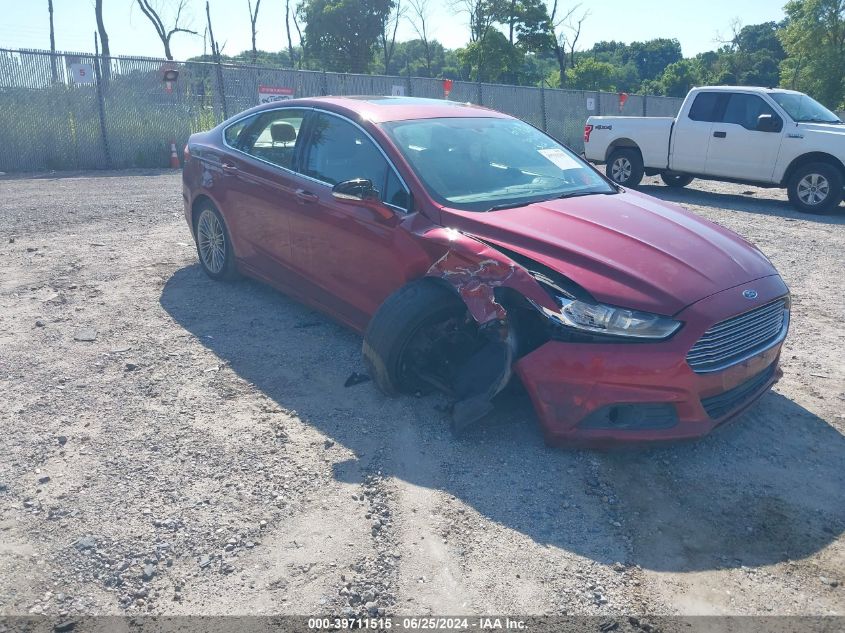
(650,134)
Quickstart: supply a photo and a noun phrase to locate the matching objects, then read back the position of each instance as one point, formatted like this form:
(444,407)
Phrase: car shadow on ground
(766,489)
(754,202)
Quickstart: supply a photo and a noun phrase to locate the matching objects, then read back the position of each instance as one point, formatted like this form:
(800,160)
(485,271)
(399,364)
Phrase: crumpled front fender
(476,269)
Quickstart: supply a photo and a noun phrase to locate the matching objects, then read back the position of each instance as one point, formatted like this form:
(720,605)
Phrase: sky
(25,24)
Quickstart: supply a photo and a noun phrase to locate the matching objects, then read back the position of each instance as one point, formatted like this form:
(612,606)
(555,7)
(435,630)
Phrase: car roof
(380,109)
(756,89)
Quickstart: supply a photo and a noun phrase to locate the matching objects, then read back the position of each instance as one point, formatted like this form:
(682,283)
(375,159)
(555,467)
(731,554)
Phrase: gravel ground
(176,446)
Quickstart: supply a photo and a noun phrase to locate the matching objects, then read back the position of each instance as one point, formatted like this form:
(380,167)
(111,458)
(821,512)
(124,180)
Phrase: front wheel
(625,167)
(419,339)
(815,188)
(676,180)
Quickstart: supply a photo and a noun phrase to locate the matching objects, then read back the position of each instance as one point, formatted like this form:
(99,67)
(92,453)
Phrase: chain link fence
(70,111)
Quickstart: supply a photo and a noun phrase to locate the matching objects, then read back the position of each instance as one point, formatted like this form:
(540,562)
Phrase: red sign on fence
(267,94)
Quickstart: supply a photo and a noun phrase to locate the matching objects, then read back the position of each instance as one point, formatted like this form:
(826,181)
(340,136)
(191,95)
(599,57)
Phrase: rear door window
(274,137)
(233,132)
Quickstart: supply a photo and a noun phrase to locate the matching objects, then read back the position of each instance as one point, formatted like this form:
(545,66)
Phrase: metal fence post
(645,106)
(479,92)
(101,106)
(543,102)
(598,103)
(410,83)
(324,85)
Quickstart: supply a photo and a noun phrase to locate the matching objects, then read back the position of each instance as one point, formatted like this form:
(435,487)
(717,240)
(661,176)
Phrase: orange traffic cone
(174,159)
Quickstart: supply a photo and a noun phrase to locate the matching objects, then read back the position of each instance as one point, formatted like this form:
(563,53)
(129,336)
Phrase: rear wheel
(214,246)
(625,167)
(676,180)
(419,339)
(815,188)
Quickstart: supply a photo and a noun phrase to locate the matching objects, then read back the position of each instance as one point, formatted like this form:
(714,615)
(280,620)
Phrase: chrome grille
(740,337)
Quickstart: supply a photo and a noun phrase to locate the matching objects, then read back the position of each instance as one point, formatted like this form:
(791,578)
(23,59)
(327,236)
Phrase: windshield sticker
(560,158)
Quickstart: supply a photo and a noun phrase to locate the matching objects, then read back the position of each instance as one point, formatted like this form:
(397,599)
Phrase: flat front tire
(625,167)
(214,246)
(418,330)
(815,188)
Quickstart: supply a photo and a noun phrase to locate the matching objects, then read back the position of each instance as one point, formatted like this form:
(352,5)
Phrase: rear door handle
(720,134)
(230,167)
(306,196)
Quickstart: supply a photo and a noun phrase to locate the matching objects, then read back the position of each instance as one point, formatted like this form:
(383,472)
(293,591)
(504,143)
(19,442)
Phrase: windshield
(803,108)
(480,164)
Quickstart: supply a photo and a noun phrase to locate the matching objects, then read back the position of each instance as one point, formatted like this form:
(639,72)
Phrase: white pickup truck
(760,136)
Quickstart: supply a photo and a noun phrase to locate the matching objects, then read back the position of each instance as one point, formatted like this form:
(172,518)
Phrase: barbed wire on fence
(129,116)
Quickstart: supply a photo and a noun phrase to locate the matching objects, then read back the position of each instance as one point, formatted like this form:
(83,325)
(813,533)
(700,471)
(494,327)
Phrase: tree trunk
(104,40)
(253,18)
(302,43)
(560,55)
(53,66)
(287,28)
(511,19)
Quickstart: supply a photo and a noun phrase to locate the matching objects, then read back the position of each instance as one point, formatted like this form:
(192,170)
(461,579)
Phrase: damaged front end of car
(581,361)
(516,303)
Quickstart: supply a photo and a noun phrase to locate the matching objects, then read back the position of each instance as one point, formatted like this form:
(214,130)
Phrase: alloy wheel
(620,170)
(813,189)
(211,240)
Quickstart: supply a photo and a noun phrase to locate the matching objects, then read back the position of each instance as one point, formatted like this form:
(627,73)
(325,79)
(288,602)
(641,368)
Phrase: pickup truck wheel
(678,181)
(625,167)
(418,339)
(815,188)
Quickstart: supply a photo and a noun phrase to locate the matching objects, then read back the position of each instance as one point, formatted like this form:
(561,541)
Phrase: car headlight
(598,318)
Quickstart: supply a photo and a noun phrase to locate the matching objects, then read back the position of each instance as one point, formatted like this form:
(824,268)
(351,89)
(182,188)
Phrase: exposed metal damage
(478,272)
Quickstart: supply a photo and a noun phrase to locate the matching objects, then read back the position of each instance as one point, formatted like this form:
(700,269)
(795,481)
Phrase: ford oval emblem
(749,294)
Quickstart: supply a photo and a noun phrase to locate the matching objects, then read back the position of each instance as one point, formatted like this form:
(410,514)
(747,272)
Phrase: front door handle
(720,134)
(229,167)
(306,196)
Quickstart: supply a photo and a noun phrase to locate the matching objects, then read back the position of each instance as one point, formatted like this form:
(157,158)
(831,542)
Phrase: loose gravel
(171,445)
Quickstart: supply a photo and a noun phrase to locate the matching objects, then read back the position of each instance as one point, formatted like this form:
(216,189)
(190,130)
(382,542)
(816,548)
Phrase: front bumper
(592,393)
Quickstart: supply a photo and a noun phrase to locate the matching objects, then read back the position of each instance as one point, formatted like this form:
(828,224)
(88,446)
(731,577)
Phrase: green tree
(678,78)
(529,23)
(420,58)
(814,40)
(653,56)
(491,59)
(340,35)
(589,74)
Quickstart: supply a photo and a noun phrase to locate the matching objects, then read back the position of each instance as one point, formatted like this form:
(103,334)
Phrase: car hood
(825,128)
(830,136)
(626,249)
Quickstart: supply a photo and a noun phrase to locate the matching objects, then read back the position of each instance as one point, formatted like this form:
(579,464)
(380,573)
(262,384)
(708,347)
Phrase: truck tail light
(186,154)
(588,129)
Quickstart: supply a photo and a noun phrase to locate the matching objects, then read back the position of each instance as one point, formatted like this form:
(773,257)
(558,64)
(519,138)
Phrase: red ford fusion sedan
(467,246)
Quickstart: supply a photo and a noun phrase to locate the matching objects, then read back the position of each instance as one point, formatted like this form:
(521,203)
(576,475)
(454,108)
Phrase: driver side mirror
(357,190)
(768,123)
(363,192)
